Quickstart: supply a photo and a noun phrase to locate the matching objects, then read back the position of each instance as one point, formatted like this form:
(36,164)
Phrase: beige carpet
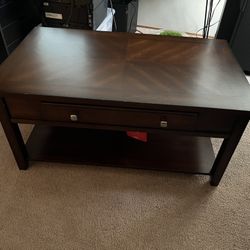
(56,206)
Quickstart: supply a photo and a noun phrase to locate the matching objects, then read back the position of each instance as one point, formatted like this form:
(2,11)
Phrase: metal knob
(164,124)
(73,118)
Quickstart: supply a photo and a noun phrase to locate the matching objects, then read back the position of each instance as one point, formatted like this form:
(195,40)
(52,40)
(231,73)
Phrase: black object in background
(77,14)
(126,13)
(229,19)
(235,28)
(17,18)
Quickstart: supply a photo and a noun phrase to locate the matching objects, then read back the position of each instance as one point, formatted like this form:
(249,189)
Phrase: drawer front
(118,117)
(25,109)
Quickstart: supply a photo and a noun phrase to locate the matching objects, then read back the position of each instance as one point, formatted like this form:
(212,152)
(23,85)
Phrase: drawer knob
(73,118)
(164,124)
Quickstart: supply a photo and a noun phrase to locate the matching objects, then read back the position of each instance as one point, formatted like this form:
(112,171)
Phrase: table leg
(14,137)
(226,151)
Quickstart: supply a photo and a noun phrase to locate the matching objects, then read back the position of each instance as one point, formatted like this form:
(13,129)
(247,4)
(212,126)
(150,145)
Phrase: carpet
(63,206)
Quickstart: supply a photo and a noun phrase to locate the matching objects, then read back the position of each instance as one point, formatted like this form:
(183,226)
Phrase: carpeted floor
(56,206)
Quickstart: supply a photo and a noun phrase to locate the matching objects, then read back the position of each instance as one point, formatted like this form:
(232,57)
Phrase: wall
(179,15)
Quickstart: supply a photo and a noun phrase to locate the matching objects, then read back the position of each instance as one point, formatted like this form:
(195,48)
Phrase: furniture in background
(126,13)
(234,27)
(17,18)
(85,89)
(84,14)
(76,14)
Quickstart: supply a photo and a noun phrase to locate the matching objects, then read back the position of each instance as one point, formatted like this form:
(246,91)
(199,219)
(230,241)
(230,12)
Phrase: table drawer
(118,116)
(31,109)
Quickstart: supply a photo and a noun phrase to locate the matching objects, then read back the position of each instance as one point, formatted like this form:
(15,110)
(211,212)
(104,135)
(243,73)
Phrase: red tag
(141,136)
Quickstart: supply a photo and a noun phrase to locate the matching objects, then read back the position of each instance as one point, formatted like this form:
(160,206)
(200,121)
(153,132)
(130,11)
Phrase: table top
(127,68)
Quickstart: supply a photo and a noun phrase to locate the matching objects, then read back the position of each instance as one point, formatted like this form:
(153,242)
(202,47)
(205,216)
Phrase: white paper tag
(53,15)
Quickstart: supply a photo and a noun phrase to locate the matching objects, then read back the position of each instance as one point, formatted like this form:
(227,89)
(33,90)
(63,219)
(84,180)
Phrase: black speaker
(229,19)
(126,12)
(235,28)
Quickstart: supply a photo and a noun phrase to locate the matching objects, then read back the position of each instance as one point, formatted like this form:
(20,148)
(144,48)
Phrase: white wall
(179,15)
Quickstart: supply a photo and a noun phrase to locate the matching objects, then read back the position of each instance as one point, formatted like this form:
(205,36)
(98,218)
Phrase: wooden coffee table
(84,89)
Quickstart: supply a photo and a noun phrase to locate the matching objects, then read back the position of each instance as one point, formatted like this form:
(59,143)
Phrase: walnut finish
(119,82)
(128,68)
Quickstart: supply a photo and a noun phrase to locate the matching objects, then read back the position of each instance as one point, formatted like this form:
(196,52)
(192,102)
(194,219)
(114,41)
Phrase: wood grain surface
(127,68)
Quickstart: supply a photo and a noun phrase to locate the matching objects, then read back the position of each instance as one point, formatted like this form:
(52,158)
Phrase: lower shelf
(186,154)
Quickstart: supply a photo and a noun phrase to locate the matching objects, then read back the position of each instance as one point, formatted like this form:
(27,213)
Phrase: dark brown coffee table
(84,89)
